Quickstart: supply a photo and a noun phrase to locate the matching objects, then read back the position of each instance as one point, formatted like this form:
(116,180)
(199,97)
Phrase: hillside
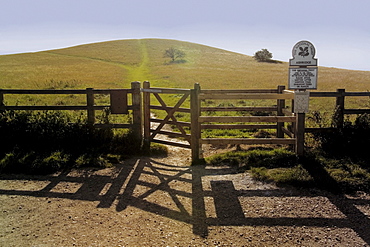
(115,64)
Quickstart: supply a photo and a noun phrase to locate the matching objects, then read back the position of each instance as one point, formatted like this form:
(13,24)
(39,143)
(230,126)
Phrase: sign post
(303,67)
(302,76)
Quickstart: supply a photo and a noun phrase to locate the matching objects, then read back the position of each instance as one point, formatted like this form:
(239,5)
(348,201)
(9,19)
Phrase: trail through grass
(140,72)
(136,72)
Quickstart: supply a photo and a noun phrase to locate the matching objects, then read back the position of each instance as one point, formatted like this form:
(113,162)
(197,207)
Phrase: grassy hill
(115,64)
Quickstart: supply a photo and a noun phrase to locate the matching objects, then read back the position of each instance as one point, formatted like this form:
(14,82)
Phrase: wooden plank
(248,141)
(170,90)
(90,106)
(56,108)
(287,111)
(204,119)
(226,109)
(222,91)
(184,124)
(247,96)
(324,94)
(287,132)
(299,133)
(149,90)
(168,108)
(315,130)
(285,91)
(137,110)
(60,91)
(238,126)
(113,126)
(196,147)
(44,91)
(357,94)
(176,144)
(280,107)
(356,111)
(146,112)
(173,134)
(46,108)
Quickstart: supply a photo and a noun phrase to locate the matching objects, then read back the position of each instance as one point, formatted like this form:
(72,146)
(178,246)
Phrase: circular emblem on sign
(303,54)
(304,49)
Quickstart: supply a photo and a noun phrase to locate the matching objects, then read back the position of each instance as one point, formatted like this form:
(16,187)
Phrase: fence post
(1,100)
(339,109)
(196,155)
(146,102)
(299,133)
(90,106)
(136,110)
(280,107)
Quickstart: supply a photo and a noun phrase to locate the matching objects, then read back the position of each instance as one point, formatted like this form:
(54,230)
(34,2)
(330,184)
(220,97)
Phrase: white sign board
(303,78)
(303,54)
(301,101)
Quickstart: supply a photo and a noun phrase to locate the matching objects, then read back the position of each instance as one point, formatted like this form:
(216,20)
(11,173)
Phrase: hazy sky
(339,29)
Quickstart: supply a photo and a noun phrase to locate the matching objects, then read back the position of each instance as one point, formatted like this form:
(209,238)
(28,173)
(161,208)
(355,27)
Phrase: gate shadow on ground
(137,182)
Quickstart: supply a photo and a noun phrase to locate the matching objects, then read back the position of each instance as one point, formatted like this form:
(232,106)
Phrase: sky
(338,29)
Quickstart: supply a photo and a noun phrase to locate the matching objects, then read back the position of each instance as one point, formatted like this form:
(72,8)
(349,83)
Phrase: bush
(47,141)
(350,141)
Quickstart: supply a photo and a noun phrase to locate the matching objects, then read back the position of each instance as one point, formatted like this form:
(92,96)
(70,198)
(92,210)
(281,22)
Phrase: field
(115,64)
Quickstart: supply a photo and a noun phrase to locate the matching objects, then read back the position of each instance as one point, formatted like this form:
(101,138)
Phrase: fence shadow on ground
(146,184)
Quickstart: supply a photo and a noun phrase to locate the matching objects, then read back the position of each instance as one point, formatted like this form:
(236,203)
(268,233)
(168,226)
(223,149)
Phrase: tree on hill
(174,54)
(263,55)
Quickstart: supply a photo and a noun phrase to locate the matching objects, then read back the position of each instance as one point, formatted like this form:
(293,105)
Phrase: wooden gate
(199,120)
(154,127)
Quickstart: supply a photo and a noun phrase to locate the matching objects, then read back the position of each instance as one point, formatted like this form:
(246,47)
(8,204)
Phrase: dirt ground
(165,202)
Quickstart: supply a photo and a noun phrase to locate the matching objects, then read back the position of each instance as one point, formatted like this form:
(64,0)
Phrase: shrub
(47,141)
(350,141)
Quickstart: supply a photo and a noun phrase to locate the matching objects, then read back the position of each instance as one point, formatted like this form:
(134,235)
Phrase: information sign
(303,78)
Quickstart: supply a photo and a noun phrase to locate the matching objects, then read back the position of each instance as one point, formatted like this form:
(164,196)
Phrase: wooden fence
(340,96)
(118,103)
(290,127)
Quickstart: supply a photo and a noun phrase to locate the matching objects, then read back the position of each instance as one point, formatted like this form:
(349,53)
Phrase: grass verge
(283,167)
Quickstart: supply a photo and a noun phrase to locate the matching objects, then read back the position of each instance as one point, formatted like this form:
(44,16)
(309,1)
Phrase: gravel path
(165,202)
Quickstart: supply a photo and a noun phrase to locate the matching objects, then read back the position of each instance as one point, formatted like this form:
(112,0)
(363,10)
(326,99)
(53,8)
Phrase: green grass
(283,167)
